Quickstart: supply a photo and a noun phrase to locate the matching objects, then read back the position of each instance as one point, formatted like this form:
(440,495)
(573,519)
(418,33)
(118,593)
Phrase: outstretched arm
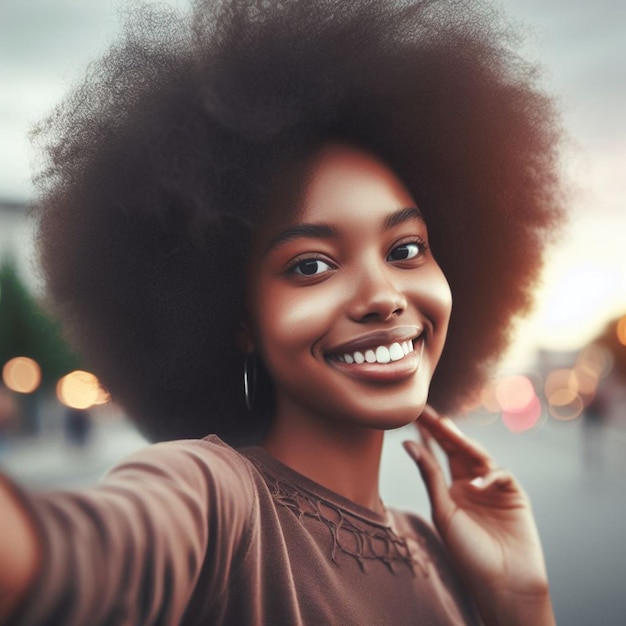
(485,519)
(131,549)
(19,551)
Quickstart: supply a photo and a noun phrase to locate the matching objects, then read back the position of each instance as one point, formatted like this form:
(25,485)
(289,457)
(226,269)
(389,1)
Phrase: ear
(245,338)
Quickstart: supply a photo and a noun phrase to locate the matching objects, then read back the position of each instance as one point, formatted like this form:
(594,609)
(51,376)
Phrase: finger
(447,434)
(433,477)
(425,437)
(496,480)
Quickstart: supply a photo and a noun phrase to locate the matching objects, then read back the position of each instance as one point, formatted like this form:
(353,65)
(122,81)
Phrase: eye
(406,251)
(311,267)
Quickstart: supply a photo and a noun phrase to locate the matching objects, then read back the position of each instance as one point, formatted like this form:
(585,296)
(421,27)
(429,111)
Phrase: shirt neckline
(260,457)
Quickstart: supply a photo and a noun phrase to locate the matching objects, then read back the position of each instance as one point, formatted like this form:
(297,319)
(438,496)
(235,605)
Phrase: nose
(375,296)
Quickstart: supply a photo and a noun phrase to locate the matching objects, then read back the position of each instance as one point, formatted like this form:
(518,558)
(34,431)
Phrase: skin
(20,553)
(317,292)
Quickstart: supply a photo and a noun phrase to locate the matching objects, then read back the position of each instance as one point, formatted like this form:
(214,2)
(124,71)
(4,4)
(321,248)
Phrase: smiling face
(347,306)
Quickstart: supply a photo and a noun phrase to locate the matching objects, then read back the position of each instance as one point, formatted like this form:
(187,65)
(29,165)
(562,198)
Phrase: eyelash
(299,262)
(422,248)
(417,241)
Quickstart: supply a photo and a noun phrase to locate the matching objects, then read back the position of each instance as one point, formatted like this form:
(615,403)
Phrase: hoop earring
(249,380)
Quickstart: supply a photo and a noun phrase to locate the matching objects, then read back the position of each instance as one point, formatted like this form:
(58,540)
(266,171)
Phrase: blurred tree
(26,330)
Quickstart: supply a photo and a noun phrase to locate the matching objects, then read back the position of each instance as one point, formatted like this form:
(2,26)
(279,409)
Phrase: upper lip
(378,338)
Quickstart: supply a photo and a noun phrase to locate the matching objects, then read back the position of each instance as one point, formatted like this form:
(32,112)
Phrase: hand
(485,519)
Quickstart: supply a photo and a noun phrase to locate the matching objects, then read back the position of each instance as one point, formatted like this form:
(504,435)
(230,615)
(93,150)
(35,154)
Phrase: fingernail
(479,481)
(411,448)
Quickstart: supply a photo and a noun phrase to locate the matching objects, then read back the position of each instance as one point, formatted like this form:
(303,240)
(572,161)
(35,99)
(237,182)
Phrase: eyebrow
(403,215)
(326,231)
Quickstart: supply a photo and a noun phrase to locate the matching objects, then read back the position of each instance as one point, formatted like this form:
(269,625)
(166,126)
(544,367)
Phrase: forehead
(343,186)
(347,182)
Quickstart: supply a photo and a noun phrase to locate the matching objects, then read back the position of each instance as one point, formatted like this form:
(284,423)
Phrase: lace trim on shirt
(378,544)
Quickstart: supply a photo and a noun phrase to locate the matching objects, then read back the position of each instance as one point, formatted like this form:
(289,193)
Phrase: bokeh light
(596,359)
(565,405)
(525,419)
(562,394)
(520,406)
(556,381)
(80,390)
(515,393)
(21,374)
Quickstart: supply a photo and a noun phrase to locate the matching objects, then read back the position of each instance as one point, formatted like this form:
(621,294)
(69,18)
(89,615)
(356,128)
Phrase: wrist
(514,608)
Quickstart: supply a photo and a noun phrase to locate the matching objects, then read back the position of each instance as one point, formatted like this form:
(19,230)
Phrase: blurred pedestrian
(78,426)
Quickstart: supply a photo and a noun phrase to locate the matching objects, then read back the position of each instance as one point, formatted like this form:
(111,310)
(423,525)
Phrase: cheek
(434,296)
(443,298)
(290,320)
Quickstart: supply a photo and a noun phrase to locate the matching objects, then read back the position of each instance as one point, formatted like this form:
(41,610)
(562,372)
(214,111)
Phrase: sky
(45,46)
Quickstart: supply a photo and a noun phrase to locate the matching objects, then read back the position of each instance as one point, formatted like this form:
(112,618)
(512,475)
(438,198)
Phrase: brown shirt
(194,532)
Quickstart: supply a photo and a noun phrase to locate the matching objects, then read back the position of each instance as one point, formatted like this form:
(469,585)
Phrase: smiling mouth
(382,354)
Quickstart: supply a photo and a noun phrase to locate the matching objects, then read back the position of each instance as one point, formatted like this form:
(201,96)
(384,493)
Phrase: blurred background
(555,413)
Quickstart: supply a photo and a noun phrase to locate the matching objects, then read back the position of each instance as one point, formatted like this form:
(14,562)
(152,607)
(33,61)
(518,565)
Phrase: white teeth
(395,352)
(382,355)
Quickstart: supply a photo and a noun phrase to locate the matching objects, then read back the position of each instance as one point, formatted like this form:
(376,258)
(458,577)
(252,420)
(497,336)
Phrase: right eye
(311,267)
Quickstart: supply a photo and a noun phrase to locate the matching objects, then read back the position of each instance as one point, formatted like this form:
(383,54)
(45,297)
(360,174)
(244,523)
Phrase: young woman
(254,223)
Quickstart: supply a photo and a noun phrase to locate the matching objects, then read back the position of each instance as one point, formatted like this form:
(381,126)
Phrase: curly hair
(159,165)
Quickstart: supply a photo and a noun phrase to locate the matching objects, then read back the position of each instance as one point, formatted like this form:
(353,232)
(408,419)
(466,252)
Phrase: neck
(343,457)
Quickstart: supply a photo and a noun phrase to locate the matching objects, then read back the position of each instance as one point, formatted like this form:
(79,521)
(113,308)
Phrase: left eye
(311,267)
(404,252)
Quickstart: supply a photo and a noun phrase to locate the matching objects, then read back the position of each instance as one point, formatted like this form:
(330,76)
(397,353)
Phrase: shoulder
(203,466)
(192,459)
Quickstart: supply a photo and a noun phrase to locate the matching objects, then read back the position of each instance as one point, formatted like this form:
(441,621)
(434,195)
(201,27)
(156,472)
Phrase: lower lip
(394,371)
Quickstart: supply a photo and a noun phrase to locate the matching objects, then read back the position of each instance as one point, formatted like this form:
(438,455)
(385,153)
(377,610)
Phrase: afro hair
(160,163)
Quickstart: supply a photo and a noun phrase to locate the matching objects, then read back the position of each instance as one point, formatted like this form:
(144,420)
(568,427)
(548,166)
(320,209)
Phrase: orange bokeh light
(565,404)
(21,374)
(80,390)
(557,380)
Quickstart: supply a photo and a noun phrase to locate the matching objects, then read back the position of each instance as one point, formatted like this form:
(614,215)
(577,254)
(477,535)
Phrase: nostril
(381,313)
(370,316)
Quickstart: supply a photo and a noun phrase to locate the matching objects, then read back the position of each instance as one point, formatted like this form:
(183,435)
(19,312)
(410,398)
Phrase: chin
(397,421)
(388,418)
